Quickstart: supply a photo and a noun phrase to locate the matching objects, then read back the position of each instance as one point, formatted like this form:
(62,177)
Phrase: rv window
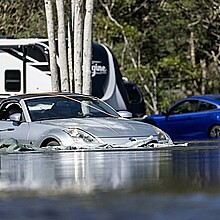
(12,80)
(39,53)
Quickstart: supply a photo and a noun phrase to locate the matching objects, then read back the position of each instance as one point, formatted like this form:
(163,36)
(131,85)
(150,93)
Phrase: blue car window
(205,106)
(188,106)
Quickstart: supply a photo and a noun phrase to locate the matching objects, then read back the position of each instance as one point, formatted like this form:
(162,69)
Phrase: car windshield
(61,107)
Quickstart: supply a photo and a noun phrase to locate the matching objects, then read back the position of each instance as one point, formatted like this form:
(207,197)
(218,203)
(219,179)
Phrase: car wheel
(52,143)
(215,131)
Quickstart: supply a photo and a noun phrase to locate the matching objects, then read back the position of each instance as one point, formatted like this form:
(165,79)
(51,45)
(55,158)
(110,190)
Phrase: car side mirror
(16,117)
(165,113)
(125,114)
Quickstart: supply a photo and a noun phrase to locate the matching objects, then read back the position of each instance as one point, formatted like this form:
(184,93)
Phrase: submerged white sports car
(67,119)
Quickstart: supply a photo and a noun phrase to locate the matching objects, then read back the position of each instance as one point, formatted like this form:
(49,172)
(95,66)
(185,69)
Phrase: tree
(80,75)
(62,49)
(177,40)
(52,46)
(87,48)
(78,19)
(83,46)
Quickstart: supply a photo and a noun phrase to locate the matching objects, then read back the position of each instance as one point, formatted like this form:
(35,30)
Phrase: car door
(196,120)
(180,120)
(204,117)
(12,129)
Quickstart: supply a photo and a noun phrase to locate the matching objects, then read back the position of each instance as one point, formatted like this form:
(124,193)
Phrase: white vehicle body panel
(34,79)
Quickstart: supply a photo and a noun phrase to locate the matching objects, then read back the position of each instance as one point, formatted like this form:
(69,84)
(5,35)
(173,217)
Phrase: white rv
(24,68)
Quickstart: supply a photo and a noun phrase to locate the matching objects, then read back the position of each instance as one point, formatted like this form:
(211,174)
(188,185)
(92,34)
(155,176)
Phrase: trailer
(24,68)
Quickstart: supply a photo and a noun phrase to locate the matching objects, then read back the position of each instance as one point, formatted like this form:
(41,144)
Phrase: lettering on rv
(98,69)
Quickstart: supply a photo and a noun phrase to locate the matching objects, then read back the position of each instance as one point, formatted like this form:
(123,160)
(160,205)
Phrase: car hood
(106,127)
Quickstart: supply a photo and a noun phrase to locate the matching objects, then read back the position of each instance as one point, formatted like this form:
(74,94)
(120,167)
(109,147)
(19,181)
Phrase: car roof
(207,97)
(37,95)
(213,98)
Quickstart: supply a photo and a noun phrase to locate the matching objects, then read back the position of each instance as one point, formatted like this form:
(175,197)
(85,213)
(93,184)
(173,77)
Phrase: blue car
(192,118)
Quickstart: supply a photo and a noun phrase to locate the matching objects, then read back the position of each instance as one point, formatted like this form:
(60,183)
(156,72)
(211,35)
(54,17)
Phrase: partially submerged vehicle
(67,119)
(191,118)
(24,68)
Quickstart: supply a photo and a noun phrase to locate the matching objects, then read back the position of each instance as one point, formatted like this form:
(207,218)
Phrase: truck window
(12,80)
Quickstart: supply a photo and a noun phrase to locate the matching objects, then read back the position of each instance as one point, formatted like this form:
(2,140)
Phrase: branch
(122,30)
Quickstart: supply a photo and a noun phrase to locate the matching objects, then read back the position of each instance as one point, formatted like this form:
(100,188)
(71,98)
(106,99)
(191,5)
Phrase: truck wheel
(215,131)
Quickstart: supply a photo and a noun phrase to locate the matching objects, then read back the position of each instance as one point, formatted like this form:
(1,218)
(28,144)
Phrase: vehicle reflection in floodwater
(168,184)
(78,172)
(197,169)
(87,172)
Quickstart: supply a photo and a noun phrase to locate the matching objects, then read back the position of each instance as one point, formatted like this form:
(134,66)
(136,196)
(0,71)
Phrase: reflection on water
(80,172)
(88,172)
(200,169)
(157,184)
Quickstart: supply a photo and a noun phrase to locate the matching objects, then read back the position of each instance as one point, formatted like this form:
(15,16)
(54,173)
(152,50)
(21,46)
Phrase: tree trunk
(87,48)
(52,46)
(78,23)
(203,77)
(192,49)
(70,45)
(70,57)
(62,49)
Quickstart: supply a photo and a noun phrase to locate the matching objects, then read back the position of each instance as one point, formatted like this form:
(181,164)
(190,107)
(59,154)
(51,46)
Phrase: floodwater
(167,184)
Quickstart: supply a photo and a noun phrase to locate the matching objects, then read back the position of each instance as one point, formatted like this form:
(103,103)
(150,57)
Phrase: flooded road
(174,183)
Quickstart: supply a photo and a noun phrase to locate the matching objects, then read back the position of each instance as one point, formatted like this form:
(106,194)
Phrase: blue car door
(180,120)
(187,125)
(178,125)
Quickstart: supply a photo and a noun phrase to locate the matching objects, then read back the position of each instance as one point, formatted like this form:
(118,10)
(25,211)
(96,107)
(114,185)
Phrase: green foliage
(174,79)
(22,18)
(159,40)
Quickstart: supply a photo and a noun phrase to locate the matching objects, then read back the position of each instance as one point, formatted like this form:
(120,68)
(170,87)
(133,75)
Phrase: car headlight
(80,136)
(163,137)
